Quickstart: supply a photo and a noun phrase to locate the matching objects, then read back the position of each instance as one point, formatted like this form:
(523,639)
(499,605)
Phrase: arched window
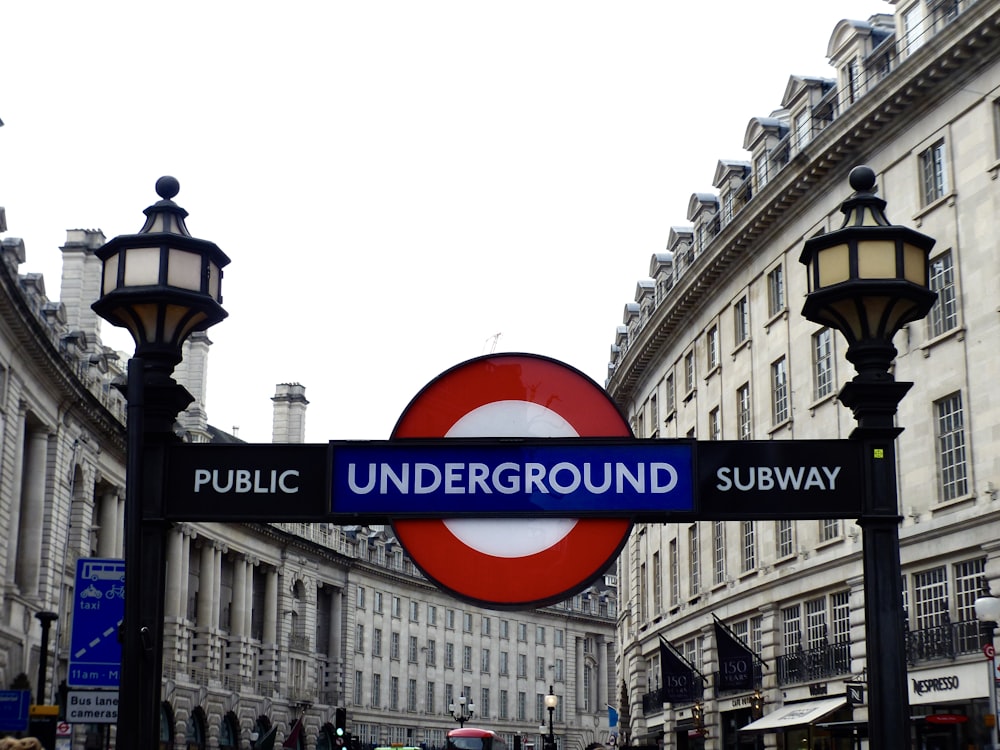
(166,726)
(229,732)
(195,732)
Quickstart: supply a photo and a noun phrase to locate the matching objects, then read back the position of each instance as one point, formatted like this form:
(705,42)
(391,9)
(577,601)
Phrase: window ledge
(782,425)
(820,401)
(711,372)
(994,169)
(744,344)
(780,315)
(958,332)
(946,199)
(949,505)
(690,395)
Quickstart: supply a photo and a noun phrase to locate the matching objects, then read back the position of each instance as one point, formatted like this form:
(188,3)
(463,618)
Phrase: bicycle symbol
(115,592)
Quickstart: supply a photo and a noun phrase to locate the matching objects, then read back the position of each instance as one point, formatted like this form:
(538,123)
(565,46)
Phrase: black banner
(735,661)
(678,677)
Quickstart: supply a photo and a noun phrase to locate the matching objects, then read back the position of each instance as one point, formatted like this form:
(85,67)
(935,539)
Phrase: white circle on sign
(511,537)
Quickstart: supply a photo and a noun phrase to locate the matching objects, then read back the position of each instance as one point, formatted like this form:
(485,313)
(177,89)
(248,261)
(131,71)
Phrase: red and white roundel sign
(512,563)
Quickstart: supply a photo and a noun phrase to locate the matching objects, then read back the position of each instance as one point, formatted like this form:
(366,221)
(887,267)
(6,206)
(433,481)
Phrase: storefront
(796,724)
(949,706)
(734,714)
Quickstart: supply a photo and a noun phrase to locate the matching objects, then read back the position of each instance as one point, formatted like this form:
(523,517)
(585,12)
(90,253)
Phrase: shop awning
(795,714)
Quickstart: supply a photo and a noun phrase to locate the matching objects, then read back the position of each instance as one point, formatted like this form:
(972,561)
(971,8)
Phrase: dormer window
(760,170)
(803,129)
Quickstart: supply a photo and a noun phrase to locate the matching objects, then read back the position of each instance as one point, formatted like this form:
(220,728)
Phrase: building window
(743,424)
(829,529)
(741,320)
(376,642)
(674,573)
(411,695)
(560,670)
(969,586)
(785,539)
(522,665)
(779,392)
(816,624)
(466,622)
(361,597)
(539,667)
(560,637)
(852,80)
(449,656)
(522,706)
(840,610)
(932,173)
(431,653)
(429,698)
(504,663)
(654,416)
(803,129)
(522,632)
(484,660)
(719,552)
(657,586)
(712,348)
(449,619)
(377,602)
(749,533)
(414,611)
(913,29)
(643,613)
(950,434)
(504,699)
(484,702)
(359,688)
(359,639)
(822,346)
(394,693)
(775,292)
(395,606)
(467,658)
(540,635)
(791,628)
(486,625)
(376,691)
(944,314)
(688,372)
(432,615)
(411,649)
(694,561)
(714,425)
(760,170)
(930,598)
(671,394)
(394,645)
(505,629)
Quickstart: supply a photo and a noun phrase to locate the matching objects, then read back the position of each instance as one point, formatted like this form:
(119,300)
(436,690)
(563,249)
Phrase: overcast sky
(396,182)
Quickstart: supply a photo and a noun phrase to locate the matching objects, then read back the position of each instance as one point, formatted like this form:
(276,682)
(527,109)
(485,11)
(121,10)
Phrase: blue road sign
(98,608)
(552,477)
(14,710)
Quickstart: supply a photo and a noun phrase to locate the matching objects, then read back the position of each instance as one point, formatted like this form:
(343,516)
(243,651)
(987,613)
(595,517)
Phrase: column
(107,538)
(29,548)
(173,604)
(206,586)
(271,606)
(602,675)
(238,616)
(17,465)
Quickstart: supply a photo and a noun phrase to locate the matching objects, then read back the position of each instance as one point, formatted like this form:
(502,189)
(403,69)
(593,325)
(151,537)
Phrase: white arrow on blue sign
(98,608)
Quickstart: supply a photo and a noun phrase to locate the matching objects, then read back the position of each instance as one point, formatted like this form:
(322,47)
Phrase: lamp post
(161,284)
(463,711)
(551,701)
(988,613)
(868,279)
(46,619)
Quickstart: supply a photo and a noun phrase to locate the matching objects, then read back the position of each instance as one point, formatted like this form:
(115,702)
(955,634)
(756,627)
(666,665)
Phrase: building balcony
(944,641)
(820,663)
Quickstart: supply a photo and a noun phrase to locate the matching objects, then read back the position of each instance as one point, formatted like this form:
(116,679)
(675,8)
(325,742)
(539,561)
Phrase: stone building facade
(265,623)
(714,346)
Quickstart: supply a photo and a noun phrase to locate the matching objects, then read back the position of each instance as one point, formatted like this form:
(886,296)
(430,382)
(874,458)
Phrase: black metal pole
(130,728)
(46,619)
(874,404)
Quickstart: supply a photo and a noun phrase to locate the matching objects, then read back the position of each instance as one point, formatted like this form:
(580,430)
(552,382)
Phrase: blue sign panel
(14,710)
(555,478)
(98,608)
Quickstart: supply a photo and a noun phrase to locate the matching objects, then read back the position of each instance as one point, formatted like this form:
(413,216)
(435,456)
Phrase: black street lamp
(161,284)
(868,279)
(463,711)
(551,701)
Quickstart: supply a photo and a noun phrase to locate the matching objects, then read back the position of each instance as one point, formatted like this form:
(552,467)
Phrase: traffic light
(340,727)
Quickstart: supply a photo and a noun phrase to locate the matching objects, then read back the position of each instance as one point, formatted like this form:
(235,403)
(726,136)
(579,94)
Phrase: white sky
(396,181)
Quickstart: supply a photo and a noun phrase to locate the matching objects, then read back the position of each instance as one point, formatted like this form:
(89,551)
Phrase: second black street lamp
(463,711)
(551,701)
(161,284)
(867,280)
